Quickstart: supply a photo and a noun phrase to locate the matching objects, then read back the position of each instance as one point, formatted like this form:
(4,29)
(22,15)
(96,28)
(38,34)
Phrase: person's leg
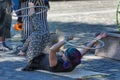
(3,46)
(34,54)
(1,39)
(34,64)
(27,27)
(1,43)
(5,23)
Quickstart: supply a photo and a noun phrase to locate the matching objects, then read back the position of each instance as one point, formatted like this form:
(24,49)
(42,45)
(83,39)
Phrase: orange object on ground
(18,26)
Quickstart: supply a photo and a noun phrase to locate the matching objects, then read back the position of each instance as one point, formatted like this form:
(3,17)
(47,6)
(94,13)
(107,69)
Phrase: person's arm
(52,54)
(24,48)
(84,51)
(54,49)
(25,45)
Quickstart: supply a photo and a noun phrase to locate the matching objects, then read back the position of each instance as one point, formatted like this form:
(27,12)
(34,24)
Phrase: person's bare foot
(31,10)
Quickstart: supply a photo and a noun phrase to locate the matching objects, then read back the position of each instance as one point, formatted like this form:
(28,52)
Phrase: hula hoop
(117,16)
(83,46)
(26,8)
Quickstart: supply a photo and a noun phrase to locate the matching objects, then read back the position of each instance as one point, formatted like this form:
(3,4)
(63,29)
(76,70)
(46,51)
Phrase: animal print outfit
(37,40)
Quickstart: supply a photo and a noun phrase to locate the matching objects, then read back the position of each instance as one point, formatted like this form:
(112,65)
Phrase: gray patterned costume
(37,40)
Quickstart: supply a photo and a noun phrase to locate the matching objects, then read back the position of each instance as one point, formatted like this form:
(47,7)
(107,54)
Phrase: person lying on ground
(60,63)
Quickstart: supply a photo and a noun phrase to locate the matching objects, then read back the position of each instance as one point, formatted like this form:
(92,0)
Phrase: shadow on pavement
(77,27)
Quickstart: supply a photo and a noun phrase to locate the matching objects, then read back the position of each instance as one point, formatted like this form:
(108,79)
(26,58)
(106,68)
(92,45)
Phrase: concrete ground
(82,18)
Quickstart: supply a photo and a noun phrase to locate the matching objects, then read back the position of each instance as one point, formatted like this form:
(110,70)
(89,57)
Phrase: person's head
(73,57)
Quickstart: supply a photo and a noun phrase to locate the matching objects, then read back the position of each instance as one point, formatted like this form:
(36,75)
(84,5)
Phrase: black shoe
(32,65)
(27,68)
(5,47)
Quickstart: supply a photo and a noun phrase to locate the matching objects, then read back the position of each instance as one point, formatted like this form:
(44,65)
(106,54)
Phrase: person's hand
(21,53)
(101,35)
(69,37)
(32,10)
(31,4)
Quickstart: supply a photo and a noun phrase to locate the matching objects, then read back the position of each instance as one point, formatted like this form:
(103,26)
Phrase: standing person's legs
(1,35)
(5,23)
(3,46)
(27,26)
(1,39)
(8,26)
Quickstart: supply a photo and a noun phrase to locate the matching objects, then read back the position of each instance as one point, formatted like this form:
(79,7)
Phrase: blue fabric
(16,4)
(46,1)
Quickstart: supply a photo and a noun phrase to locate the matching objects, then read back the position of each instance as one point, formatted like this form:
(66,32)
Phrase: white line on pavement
(80,13)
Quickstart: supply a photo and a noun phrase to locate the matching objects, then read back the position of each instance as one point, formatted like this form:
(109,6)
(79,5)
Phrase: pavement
(81,18)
